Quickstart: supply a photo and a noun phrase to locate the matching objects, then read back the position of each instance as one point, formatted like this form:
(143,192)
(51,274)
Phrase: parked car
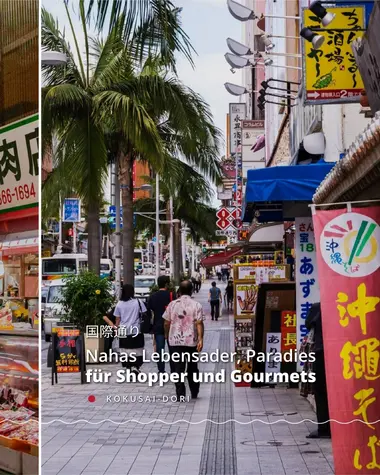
(143,284)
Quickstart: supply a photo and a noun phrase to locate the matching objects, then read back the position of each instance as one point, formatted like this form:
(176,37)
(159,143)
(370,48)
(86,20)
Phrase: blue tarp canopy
(278,194)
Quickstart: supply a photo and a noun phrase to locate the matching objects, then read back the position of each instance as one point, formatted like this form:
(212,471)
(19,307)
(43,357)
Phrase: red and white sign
(332,94)
(223,213)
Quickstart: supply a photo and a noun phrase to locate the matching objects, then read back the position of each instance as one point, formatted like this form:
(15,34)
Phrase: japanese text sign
(19,164)
(71,210)
(331,73)
(349,269)
(67,345)
(307,289)
(288,331)
(236,115)
(273,346)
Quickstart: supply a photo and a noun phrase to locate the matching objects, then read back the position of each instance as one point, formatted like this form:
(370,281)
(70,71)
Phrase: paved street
(189,447)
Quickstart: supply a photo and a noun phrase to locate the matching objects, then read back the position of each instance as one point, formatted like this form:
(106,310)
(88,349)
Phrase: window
(55,294)
(145,283)
(59,266)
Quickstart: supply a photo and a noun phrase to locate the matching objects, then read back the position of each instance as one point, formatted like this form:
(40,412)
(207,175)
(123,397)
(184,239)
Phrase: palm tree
(155,26)
(154,116)
(68,106)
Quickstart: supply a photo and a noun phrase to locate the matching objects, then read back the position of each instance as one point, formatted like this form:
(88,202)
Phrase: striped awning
(356,172)
(20,246)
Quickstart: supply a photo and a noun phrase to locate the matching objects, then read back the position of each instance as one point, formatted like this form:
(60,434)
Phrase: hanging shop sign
(331,75)
(251,131)
(68,352)
(307,289)
(229,169)
(348,244)
(245,300)
(288,331)
(229,218)
(71,210)
(367,55)
(19,165)
(237,112)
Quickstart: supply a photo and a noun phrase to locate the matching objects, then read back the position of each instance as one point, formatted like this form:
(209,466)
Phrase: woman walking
(128,319)
(229,295)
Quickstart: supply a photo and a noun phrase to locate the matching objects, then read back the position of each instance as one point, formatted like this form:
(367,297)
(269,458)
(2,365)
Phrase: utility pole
(183,236)
(117,233)
(157,226)
(171,253)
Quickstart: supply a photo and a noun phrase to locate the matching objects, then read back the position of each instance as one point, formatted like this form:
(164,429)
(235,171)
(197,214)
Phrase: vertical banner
(288,331)
(273,347)
(348,266)
(307,288)
(237,113)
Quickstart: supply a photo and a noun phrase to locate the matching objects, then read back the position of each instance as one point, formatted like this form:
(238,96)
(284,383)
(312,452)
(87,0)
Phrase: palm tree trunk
(126,182)
(93,229)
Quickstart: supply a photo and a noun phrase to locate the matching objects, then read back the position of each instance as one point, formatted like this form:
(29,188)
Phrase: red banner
(348,245)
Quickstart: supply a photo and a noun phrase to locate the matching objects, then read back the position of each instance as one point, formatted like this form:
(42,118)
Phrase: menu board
(68,351)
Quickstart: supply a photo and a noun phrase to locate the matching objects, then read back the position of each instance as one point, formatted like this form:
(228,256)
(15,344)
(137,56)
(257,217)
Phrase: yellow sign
(46,254)
(331,73)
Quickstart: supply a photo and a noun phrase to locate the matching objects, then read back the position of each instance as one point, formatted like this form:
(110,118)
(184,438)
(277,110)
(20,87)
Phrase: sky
(208,24)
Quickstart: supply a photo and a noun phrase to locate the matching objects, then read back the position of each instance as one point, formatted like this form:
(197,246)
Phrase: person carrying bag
(129,313)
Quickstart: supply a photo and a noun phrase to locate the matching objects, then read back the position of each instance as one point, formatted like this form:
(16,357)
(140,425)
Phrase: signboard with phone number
(19,165)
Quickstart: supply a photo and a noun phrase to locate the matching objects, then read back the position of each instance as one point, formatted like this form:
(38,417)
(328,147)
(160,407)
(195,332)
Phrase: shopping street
(168,447)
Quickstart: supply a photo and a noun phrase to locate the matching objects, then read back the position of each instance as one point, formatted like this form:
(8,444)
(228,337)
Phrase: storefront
(19,276)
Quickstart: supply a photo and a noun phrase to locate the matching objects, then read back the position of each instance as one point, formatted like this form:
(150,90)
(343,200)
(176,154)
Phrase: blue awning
(280,193)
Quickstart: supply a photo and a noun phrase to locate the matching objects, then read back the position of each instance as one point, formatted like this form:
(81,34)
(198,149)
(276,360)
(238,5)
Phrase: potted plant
(86,298)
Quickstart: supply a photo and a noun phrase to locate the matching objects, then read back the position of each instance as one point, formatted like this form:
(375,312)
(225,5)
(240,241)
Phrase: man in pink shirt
(184,330)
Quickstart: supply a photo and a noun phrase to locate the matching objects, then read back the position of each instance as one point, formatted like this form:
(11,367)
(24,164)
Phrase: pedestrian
(157,304)
(194,281)
(128,313)
(184,330)
(229,294)
(110,320)
(314,323)
(199,280)
(215,299)
(219,272)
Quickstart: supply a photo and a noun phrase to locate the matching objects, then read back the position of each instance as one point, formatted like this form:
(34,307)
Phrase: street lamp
(238,62)
(243,13)
(320,11)
(238,48)
(53,58)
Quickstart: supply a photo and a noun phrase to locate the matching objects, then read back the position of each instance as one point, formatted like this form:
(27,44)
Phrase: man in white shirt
(184,330)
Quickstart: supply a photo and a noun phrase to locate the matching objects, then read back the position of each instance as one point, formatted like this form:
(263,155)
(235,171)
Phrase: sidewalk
(161,448)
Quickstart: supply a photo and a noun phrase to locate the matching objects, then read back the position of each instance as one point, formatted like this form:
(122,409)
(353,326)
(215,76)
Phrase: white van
(52,308)
(143,283)
(106,268)
(61,265)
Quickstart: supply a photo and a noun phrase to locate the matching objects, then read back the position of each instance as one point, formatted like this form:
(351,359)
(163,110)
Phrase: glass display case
(19,366)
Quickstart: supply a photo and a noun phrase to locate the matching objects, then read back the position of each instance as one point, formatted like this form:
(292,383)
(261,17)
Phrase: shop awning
(278,194)
(220,258)
(20,246)
(357,174)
